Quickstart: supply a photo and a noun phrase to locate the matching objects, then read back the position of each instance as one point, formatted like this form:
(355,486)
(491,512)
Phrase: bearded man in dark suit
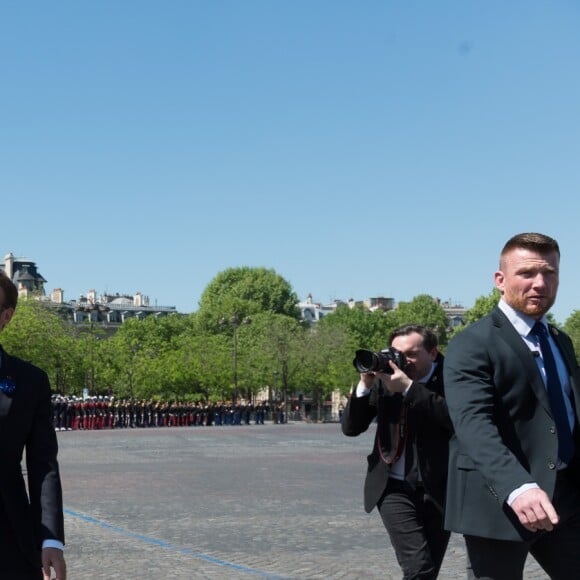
(512,385)
(407,468)
(31,517)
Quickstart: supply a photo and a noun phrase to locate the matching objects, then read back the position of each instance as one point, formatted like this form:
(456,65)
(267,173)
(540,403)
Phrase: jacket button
(551,465)
(552,430)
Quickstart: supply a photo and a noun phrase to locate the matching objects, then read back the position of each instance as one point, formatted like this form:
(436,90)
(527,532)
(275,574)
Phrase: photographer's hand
(367,379)
(398,382)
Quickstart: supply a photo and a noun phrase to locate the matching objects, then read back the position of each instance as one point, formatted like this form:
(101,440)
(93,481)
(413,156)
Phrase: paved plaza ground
(270,501)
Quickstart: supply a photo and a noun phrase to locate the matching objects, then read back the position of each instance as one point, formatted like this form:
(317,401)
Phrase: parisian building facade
(114,309)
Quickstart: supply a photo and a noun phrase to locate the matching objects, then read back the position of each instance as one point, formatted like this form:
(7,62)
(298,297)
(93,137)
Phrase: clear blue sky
(358,148)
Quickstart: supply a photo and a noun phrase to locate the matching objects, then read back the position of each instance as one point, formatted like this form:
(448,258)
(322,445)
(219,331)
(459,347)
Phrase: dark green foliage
(191,357)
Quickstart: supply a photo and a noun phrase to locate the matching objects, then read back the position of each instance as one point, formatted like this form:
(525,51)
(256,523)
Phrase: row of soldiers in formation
(73,413)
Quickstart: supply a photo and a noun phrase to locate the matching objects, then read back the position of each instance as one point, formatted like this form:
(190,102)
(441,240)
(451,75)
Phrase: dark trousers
(415,527)
(557,552)
(13,563)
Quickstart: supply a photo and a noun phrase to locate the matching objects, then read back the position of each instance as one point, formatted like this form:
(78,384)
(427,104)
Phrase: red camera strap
(400,439)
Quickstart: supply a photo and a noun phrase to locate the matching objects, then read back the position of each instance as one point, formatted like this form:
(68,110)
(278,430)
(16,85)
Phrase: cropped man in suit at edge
(407,469)
(31,517)
(512,384)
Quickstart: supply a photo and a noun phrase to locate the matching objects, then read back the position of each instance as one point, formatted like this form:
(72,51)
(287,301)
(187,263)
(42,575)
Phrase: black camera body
(368,361)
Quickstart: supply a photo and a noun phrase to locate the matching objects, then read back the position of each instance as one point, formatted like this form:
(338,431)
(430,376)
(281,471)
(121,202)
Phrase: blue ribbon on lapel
(7,385)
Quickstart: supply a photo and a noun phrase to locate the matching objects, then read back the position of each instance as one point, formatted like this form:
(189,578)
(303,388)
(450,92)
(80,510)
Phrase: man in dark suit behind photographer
(407,468)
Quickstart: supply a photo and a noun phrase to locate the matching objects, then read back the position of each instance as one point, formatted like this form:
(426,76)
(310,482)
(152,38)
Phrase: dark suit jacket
(505,432)
(429,430)
(26,424)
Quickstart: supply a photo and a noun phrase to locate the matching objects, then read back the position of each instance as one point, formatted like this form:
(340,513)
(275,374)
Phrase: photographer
(407,469)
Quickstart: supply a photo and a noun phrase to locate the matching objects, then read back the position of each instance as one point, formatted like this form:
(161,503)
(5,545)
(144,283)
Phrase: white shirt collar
(426,378)
(521,322)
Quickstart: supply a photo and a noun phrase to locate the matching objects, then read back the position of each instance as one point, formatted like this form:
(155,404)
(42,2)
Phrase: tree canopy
(244,292)
(572,327)
(195,357)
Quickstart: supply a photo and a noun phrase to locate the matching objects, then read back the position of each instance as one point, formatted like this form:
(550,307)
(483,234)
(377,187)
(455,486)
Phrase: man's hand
(398,382)
(53,557)
(367,379)
(535,510)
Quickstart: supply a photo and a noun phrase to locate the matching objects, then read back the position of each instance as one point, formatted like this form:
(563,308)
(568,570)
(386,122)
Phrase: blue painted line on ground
(168,546)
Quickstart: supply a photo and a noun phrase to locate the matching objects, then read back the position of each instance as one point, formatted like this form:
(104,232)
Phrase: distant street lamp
(235,323)
(272,407)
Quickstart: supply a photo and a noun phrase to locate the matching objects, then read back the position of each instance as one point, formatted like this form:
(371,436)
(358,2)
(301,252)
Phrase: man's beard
(536,308)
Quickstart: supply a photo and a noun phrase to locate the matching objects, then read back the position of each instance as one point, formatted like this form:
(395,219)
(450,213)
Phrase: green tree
(482,306)
(245,292)
(88,346)
(572,328)
(423,309)
(366,328)
(38,334)
(273,344)
(328,356)
(202,365)
(138,352)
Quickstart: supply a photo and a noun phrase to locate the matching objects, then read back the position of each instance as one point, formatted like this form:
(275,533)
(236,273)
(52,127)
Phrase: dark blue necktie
(555,395)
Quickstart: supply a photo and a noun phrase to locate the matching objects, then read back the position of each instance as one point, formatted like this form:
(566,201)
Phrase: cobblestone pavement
(270,501)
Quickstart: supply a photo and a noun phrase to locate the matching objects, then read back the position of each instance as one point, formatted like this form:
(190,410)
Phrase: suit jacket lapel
(5,371)
(570,361)
(563,347)
(523,353)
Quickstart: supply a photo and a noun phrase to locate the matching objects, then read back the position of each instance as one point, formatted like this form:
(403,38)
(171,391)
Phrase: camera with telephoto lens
(368,361)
